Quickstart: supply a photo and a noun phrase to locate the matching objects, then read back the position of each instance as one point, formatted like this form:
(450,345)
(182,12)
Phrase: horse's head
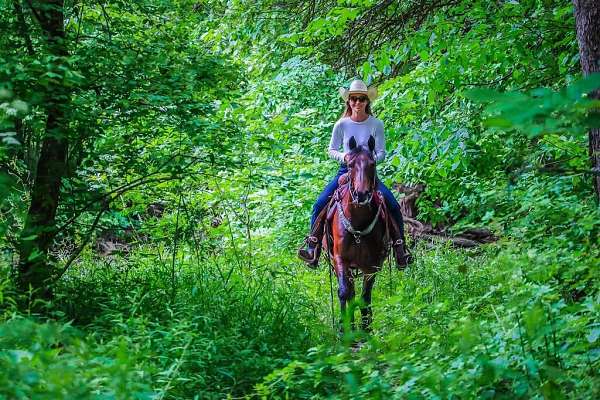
(361,165)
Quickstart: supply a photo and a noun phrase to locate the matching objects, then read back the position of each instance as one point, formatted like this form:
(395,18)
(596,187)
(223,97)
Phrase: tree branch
(84,243)
(107,19)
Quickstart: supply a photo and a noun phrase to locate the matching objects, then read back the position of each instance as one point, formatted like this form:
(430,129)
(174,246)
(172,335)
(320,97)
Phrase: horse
(357,234)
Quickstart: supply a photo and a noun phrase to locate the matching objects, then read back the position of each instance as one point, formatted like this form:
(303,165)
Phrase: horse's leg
(352,307)
(345,290)
(366,311)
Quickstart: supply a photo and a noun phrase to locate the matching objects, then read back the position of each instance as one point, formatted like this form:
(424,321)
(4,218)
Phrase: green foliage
(222,332)
(490,326)
(10,109)
(198,131)
(542,111)
(54,361)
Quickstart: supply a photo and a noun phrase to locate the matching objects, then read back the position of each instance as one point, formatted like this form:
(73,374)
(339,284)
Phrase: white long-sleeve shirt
(345,128)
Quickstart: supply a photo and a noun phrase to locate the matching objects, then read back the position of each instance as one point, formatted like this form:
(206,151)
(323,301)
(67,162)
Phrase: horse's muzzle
(363,198)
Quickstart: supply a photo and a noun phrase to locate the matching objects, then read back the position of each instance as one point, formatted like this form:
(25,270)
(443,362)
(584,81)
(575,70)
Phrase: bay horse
(357,234)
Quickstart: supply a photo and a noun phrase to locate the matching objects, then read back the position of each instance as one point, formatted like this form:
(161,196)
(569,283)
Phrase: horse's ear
(352,143)
(371,143)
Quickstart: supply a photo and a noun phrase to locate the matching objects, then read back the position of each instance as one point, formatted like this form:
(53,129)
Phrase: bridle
(354,196)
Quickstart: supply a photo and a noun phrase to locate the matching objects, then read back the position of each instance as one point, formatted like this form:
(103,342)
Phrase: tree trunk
(40,225)
(587,20)
(22,27)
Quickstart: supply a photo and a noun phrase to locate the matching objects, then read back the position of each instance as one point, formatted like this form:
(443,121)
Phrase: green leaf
(482,95)
(551,391)
(534,319)
(584,86)
(497,122)
(593,335)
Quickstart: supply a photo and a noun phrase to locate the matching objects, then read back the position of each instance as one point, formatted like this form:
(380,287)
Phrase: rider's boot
(311,249)
(401,253)
(310,254)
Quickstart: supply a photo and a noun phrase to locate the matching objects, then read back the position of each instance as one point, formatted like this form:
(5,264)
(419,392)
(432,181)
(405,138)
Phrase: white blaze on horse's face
(362,178)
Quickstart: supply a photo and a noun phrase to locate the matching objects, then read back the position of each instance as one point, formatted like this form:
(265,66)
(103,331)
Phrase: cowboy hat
(358,87)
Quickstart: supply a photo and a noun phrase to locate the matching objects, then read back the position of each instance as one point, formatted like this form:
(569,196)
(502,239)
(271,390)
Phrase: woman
(358,122)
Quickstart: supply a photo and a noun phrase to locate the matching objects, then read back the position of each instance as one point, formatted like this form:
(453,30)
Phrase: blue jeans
(325,196)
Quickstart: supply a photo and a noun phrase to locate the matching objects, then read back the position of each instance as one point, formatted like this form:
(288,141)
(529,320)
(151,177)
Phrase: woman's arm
(379,142)
(337,138)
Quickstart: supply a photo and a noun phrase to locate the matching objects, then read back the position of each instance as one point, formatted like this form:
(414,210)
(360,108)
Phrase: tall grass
(129,337)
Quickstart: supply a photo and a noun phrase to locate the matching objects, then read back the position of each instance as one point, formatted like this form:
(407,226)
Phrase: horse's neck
(359,216)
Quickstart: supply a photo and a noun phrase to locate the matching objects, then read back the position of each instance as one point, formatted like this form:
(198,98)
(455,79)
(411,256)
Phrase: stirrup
(312,239)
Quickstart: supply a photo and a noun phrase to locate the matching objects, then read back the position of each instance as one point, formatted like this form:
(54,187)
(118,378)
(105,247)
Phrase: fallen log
(418,230)
(455,241)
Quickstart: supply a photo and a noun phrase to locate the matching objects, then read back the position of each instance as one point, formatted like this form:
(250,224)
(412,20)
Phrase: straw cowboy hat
(359,87)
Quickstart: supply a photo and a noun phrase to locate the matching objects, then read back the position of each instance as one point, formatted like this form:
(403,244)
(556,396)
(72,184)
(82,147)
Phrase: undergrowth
(497,326)
(512,319)
(117,335)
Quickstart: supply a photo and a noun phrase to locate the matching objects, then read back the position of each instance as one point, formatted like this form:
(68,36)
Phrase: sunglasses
(361,99)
